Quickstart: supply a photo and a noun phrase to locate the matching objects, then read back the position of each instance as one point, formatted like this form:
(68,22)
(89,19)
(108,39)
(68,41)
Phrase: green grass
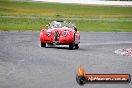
(105,26)
(35,15)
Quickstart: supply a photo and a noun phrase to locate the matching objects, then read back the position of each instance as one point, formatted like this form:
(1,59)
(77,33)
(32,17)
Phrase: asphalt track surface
(24,64)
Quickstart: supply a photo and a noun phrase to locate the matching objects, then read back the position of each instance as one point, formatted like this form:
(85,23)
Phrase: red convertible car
(60,33)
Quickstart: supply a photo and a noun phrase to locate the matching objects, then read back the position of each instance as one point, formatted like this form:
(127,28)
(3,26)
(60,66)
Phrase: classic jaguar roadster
(60,33)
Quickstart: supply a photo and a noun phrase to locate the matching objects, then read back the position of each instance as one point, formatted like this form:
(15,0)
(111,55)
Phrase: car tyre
(76,46)
(43,44)
(71,46)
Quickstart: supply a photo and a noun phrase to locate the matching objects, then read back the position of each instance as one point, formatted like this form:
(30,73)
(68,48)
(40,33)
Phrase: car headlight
(64,33)
(48,33)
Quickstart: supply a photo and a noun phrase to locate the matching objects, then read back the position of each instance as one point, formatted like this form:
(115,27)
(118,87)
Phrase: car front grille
(56,34)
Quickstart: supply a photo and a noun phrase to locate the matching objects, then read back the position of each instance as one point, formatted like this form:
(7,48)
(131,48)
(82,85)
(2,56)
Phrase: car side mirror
(46,25)
(75,29)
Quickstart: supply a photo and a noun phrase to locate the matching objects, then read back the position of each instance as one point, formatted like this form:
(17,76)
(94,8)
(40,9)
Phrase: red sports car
(60,33)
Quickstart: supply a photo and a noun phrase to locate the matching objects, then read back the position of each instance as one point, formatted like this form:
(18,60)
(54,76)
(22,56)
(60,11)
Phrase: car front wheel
(76,46)
(43,44)
(71,46)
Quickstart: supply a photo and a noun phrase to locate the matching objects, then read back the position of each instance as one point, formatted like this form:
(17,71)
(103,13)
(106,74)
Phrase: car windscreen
(60,24)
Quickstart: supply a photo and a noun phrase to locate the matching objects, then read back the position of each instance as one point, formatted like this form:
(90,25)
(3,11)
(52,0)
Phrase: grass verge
(23,16)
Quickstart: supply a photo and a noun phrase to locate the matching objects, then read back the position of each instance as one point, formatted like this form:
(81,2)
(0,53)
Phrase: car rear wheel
(43,44)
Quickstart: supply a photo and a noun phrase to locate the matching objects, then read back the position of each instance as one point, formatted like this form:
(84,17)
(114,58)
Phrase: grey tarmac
(24,64)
